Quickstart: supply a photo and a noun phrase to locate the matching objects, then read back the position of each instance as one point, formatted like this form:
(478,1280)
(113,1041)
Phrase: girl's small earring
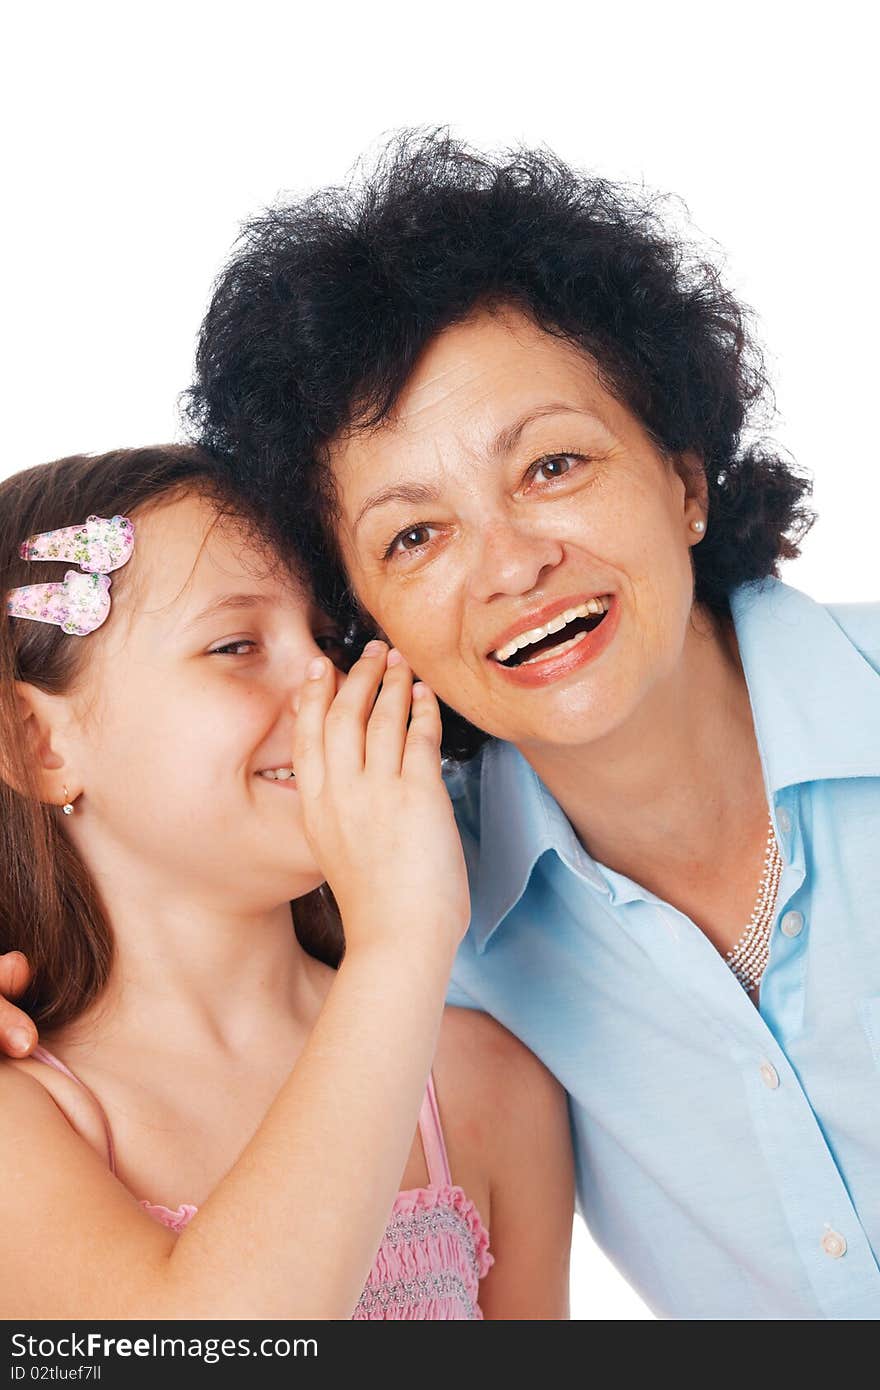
(698,526)
(67,808)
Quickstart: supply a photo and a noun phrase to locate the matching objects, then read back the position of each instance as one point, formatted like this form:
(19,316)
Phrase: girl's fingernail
(316,668)
(374,648)
(296,704)
(394,657)
(419,689)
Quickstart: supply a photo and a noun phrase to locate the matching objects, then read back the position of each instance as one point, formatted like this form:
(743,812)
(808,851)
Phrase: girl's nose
(512,560)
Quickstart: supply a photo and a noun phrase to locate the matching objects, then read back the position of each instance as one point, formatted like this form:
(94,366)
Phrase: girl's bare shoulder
(488,1082)
(478,1051)
(77,1105)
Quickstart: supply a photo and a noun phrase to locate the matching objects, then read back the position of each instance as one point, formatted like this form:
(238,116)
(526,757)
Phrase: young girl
(231,1127)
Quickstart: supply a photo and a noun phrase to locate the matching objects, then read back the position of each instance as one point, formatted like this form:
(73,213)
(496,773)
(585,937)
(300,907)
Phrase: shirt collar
(519,822)
(816,705)
(815,698)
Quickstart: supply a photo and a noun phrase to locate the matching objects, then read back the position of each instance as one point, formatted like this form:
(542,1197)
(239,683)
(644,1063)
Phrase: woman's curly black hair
(317,320)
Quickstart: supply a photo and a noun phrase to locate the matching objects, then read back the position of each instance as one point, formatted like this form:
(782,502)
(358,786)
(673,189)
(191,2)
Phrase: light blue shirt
(728,1158)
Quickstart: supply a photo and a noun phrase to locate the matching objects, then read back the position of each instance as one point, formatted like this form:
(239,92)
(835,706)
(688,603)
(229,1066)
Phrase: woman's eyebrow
(506,440)
(398,492)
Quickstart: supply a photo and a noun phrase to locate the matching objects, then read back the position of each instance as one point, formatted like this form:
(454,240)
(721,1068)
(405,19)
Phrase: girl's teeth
(525,639)
(278,774)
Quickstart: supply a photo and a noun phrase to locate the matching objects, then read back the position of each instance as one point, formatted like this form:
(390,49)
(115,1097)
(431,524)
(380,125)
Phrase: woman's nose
(512,560)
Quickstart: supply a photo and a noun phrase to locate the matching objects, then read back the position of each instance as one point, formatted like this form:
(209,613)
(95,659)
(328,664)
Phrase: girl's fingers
(421,752)
(386,729)
(346,725)
(315,697)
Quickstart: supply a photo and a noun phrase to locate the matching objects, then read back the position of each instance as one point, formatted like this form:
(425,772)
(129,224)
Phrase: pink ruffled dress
(435,1249)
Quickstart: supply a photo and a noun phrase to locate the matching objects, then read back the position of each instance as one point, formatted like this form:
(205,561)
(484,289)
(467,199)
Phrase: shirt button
(792,923)
(769,1076)
(834,1244)
(783,820)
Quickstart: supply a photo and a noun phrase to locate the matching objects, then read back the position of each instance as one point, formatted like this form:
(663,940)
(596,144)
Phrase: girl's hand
(376,813)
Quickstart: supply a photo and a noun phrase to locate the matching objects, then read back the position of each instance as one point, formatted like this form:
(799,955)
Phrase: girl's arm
(294,1227)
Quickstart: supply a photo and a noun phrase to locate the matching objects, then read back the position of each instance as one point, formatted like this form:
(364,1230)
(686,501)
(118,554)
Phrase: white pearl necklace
(749,956)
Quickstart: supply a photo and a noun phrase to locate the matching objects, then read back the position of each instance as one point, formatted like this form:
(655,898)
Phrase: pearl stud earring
(67,808)
(698,526)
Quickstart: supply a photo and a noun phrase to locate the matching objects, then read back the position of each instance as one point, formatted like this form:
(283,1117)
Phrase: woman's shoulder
(861,624)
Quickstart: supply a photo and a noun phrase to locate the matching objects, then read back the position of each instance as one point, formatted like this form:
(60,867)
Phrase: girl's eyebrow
(225,602)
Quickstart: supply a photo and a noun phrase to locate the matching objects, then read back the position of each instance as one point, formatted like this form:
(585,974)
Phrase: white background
(137,138)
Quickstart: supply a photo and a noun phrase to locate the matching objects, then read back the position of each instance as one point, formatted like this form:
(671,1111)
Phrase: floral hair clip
(80,602)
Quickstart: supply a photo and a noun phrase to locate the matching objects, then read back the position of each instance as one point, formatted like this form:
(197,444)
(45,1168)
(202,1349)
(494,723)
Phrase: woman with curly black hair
(502,412)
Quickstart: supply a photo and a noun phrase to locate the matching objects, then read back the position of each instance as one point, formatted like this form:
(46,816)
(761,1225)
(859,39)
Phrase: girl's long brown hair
(50,908)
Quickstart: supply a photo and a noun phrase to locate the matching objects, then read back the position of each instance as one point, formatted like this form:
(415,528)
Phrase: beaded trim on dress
(433,1255)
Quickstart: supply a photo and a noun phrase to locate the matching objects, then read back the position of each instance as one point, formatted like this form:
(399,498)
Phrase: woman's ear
(38,733)
(693,473)
(690,469)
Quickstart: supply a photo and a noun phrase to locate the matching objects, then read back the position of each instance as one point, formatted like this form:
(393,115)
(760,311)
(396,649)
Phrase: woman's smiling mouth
(566,639)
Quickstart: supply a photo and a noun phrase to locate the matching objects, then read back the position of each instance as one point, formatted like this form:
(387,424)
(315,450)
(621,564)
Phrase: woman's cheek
(409,610)
(414,634)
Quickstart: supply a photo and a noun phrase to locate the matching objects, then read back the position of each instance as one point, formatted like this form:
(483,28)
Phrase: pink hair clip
(99,546)
(80,602)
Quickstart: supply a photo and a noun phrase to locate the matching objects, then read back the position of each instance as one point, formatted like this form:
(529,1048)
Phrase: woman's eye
(228,649)
(556,466)
(411,539)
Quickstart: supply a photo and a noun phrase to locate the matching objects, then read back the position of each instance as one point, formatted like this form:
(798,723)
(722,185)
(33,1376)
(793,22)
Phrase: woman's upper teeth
(535,634)
(277,774)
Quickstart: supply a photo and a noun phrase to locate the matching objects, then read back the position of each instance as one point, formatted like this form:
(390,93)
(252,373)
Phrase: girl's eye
(413,538)
(228,648)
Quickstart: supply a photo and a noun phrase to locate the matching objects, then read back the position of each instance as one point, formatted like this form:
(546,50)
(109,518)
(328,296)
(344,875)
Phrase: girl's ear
(39,736)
